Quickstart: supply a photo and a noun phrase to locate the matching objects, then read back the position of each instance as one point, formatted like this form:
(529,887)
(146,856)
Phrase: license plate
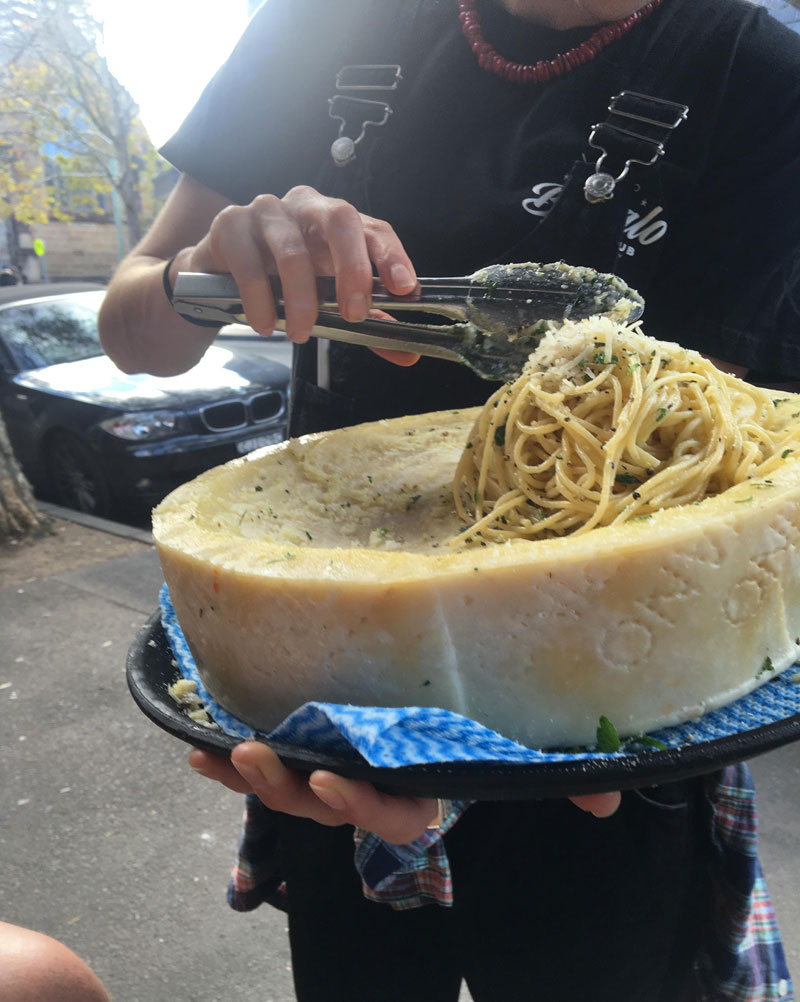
(258,442)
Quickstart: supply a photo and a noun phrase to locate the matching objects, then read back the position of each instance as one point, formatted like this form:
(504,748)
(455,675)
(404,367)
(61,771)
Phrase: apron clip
(654,120)
(370,77)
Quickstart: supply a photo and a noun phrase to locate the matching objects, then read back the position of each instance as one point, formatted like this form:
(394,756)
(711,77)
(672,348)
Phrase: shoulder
(762,91)
(315,17)
(740,65)
(721,31)
(764,46)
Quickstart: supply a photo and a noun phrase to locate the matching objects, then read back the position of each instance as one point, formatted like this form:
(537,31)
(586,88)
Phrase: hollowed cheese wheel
(320,569)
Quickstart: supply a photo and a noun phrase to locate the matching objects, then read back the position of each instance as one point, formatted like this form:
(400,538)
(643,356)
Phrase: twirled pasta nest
(606,425)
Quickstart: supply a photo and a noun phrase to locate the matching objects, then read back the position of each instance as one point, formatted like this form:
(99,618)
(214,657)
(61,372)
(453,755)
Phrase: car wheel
(76,477)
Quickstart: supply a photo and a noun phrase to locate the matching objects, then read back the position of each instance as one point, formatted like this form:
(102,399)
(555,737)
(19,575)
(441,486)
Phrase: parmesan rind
(318,570)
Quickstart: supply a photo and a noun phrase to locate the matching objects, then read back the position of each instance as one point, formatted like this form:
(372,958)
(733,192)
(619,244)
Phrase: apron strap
(365,90)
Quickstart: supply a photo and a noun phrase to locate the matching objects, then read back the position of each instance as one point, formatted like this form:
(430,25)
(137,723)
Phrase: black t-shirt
(471,169)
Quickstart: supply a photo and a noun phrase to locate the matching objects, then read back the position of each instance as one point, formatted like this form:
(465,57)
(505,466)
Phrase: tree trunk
(131,200)
(18,513)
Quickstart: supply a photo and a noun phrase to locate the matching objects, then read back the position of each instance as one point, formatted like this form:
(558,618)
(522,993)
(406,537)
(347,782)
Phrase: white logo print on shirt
(545,197)
(642,229)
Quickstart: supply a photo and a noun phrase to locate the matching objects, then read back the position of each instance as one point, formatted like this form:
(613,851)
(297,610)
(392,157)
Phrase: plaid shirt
(742,962)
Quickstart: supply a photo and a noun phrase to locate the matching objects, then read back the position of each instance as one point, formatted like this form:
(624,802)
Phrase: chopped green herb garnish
(765,667)
(627,478)
(786,452)
(500,435)
(647,741)
(661,413)
(277,560)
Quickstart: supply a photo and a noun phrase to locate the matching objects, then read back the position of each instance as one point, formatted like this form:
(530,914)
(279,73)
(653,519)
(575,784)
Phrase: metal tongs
(498,315)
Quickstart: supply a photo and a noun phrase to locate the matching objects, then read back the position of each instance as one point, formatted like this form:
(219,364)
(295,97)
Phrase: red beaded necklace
(544,70)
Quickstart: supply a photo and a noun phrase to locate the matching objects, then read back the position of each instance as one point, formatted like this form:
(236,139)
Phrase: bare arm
(299,236)
(139,329)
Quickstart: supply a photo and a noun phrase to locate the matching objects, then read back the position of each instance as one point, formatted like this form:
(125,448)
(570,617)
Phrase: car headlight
(144,426)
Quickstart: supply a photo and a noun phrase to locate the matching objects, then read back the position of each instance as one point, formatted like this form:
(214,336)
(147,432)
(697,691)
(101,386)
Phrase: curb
(99,524)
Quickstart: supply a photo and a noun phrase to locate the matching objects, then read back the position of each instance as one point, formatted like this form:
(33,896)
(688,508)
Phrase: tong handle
(214,297)
(444,341)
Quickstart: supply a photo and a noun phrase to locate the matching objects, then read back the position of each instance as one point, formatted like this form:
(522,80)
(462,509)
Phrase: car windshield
(51,331)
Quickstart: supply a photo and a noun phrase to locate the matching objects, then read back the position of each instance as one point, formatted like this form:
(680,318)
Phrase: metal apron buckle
(369,77)
(659,118)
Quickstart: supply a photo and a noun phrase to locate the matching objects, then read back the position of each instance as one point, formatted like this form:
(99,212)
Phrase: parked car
(91,437)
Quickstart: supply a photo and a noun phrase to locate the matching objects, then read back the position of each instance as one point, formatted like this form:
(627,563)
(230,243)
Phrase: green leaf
(647,741)
(607,737)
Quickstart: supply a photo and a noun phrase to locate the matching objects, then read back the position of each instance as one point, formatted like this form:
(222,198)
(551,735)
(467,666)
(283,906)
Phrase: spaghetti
(606,425)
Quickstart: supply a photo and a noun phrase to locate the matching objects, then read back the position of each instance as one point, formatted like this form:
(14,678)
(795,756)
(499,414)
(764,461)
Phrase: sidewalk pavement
(108,840)
(110,843)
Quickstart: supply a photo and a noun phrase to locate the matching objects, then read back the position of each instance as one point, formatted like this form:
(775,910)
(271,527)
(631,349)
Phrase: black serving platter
(150,671)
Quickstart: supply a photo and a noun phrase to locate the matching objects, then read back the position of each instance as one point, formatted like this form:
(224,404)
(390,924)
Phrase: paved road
(110,843)
(276,347)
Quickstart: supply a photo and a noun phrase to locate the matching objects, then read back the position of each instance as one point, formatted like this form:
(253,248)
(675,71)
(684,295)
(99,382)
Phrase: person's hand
(602,805)
(323,796)
(300,236)
(332,800)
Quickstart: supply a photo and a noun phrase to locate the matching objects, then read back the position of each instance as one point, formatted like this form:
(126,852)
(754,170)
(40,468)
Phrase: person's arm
(139,329)
(299,236)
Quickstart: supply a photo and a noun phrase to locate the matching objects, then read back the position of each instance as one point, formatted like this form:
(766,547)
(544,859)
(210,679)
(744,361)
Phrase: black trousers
(551,905)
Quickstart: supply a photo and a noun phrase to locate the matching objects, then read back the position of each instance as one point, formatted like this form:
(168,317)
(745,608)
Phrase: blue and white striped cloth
(391,737)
